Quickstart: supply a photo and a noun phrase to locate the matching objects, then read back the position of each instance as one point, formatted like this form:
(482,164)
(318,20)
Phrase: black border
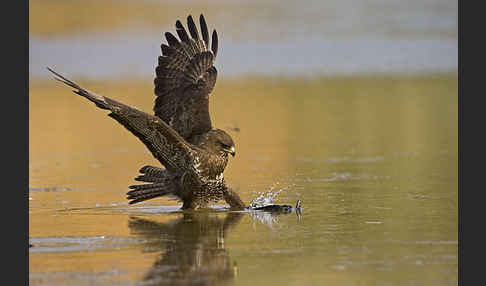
(15,135)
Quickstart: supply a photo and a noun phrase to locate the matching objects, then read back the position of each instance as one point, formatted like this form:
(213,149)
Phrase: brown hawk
(180,134)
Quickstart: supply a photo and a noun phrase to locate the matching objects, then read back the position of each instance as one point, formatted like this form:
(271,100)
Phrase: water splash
(265,218)
(267,198)
(264,199)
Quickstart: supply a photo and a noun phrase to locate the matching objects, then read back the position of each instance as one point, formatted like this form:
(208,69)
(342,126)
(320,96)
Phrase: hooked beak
(231,151)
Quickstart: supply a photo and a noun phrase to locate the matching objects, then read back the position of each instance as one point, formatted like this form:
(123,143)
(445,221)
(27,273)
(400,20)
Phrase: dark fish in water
(280,208)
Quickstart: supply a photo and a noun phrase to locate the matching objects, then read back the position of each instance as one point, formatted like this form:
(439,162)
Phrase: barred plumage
(180,134)
(185,76)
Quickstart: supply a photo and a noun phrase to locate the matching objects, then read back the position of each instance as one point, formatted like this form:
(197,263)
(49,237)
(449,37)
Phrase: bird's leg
(233,199)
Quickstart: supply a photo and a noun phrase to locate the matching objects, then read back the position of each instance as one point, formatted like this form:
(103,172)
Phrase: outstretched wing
(185,78)
(164,143)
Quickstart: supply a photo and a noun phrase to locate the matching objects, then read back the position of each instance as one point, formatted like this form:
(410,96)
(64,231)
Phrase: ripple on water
(68,244)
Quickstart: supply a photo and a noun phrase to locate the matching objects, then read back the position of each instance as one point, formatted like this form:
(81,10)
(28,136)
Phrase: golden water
(373,160)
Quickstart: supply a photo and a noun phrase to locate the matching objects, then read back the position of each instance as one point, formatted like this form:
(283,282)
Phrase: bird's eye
(225,146)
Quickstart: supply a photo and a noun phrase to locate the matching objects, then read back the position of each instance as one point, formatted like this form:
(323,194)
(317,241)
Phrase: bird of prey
(180,134)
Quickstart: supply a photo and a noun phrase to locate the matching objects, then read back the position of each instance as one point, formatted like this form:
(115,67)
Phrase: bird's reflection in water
(192,249)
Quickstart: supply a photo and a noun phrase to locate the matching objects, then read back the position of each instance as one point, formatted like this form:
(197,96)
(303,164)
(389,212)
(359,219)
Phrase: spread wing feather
(204,30)
(164,143)
(185,76)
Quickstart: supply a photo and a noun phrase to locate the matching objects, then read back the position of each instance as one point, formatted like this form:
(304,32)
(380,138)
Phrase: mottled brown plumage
(180,134)
(185,76)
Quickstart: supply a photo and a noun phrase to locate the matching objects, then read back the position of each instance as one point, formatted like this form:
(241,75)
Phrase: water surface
(373,160)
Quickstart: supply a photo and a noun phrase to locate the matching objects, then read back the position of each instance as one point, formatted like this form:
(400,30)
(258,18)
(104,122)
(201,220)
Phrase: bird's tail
(162,183)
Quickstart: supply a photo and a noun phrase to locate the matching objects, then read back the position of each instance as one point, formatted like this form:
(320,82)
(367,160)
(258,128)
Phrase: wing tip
(214,43)
(204,29)
(192,27)
(64,80)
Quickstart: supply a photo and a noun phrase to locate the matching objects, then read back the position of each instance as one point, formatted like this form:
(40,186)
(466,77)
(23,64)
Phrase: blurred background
(122,38)
(349,106)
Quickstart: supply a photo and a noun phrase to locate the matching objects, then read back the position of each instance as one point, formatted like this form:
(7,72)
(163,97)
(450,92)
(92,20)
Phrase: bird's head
(220,142)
